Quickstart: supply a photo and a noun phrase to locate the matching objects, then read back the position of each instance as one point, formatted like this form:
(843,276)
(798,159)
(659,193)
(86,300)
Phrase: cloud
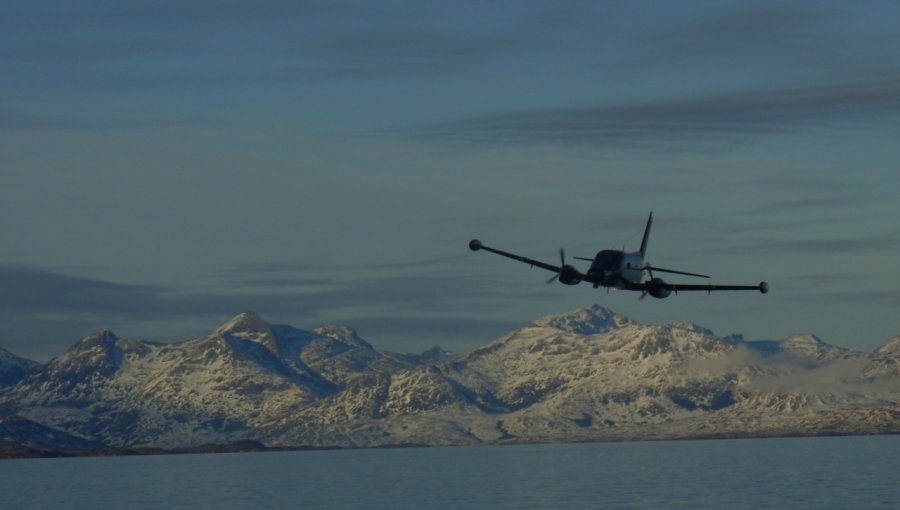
(20,119)
(270,40)
(245,269)
(675,122)
(397,53)
(874,297)
(836,246)
(772,29)
(784,42)
(411,284)
(31,291)
(806,203)
(34,291)
(47,311)
(888,242)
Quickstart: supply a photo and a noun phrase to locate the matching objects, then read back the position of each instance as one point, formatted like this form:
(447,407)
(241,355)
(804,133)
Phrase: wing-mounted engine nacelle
(657,288)
(569,275)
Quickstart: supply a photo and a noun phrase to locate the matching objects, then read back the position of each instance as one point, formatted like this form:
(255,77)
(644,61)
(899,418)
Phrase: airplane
(620,270)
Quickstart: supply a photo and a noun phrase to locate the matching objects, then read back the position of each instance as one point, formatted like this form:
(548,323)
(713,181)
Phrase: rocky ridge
(587,375)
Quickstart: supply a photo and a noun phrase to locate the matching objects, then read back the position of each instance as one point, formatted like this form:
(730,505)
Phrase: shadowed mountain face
(19,436)
(590,374)
(13,368)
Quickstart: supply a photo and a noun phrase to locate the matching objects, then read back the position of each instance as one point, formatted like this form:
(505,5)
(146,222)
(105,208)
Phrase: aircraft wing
(678,287)
(476,245)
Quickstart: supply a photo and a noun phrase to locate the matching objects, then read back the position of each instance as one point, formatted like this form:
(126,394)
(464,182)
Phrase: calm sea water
(815,473)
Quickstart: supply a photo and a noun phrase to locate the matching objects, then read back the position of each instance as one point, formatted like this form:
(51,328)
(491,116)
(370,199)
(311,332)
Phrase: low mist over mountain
(588,375)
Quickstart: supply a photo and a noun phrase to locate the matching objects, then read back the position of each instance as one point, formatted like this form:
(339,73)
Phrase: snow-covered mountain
(590,374)
(226,384)
(885,361)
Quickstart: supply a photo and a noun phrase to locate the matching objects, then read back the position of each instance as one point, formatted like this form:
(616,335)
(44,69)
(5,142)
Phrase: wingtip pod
(763,287)
(474,245)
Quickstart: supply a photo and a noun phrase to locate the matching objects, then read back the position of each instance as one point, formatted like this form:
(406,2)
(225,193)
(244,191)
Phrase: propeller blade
(562,260)
(643,295)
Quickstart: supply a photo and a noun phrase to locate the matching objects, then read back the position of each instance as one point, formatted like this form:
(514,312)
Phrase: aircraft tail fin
(646,235)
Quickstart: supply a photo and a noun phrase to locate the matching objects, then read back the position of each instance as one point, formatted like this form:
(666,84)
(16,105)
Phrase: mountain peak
(102,337)
(806,338)
(13,368)
(891,348)
(814,347)
(592,320)
(6,355)
(692,326)
(341,333)
(247,323)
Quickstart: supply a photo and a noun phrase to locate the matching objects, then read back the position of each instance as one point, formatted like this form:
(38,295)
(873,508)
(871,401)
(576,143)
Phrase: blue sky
(167,165)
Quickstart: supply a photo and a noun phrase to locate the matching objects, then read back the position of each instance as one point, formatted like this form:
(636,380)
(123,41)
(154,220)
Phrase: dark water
(815,473)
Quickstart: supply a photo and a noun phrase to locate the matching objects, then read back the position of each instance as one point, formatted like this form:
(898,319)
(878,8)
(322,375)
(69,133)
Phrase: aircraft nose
(474,245)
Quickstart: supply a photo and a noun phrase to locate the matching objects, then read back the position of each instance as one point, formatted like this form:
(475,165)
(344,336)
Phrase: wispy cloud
(29,290)
(671,123)
(20,119)
(772,29)
(873,297)
(268,40)
(889,243)
(394,305)
(260,268)
(384,54)
(806,203)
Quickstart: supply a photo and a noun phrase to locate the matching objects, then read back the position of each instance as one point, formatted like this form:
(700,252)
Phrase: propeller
(562,264)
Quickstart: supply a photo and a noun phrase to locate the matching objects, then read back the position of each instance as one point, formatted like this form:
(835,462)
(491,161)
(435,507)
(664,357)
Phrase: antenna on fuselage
(646,236)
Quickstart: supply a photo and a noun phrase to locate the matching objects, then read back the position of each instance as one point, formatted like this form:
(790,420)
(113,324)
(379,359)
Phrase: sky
(166,165)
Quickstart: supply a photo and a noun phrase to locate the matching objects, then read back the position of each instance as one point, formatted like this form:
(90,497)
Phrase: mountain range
(586,375)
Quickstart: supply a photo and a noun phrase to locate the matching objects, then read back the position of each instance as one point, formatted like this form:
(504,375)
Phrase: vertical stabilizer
(646,236)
